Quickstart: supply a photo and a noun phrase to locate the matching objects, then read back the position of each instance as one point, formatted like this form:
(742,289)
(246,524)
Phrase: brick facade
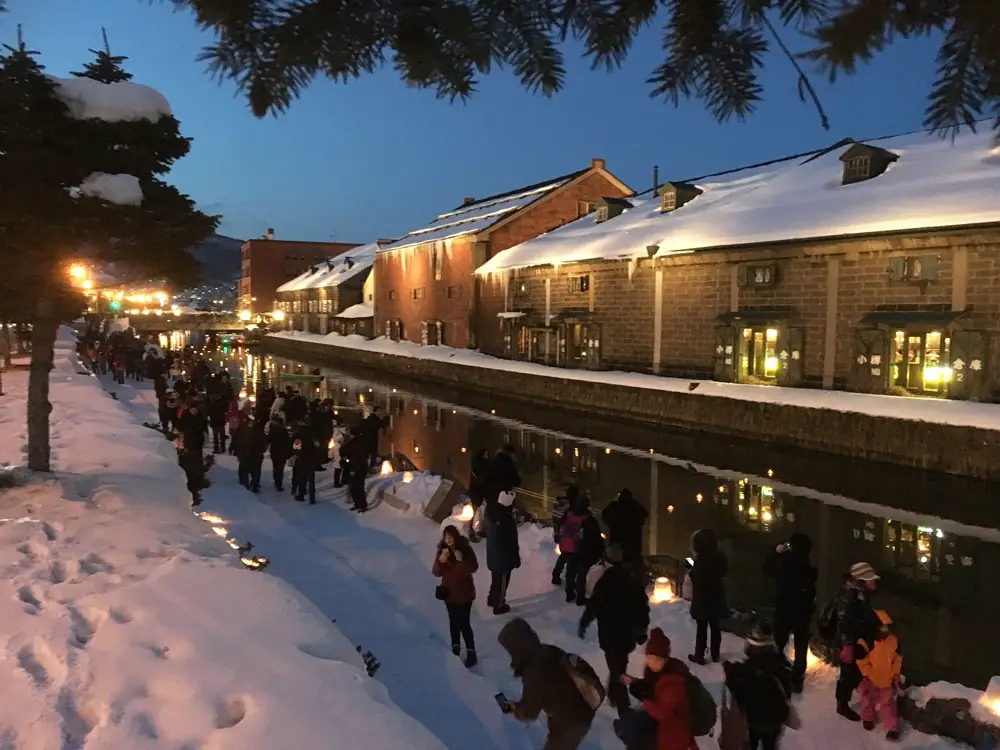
(846,281)
(268,263)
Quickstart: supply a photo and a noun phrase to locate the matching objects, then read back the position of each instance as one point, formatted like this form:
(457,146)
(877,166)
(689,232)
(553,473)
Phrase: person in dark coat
(547,687)
(354,471)
(762,686)
(795,599)
(322,419)
(280,445)
(479,478)
(503,477)
(621,608)
(306,452)
(625,518)
(708,600)
(580,540)
(190,426)
(455,564)
(251,444)
(503,552)
(559,511)
(367,432)
(856,621)
(217,408)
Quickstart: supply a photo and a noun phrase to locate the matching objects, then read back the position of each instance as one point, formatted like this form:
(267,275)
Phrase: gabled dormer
(673,195)
(863,162)
(608,208)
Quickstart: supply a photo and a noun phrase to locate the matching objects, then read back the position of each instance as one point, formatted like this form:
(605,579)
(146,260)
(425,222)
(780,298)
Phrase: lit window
(668,200)
(602,213)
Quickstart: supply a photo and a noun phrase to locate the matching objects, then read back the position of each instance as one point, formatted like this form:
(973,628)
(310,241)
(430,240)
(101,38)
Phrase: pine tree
(712,49)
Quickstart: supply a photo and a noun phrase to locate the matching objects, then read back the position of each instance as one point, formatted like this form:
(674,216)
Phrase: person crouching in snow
(882,669)
(456,564)
(663,692)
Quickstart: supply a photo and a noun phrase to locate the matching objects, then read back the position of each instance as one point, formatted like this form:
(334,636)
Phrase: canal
(933,539)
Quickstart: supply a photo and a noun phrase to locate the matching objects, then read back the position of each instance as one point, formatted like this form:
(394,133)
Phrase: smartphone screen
(502,701)
(690,562)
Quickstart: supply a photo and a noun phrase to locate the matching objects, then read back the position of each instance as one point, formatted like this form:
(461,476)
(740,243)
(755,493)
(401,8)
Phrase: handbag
(442,593)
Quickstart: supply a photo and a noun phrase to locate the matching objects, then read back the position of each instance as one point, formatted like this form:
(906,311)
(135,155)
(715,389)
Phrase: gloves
(581,631)
(847,654)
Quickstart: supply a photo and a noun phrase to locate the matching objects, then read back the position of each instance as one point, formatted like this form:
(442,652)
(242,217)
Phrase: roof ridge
(517,191)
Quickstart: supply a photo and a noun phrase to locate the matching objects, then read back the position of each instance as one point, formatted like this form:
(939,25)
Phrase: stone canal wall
(952,449)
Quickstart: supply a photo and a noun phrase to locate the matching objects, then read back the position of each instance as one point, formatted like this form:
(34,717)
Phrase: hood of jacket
(520,641)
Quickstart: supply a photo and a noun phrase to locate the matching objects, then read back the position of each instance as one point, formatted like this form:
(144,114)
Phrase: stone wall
(970,452)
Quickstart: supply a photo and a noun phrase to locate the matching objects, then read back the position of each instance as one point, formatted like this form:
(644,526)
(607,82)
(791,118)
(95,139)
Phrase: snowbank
(122,189)
(360,310)
(985,705)
(127,624)
(112,102)
(940,411)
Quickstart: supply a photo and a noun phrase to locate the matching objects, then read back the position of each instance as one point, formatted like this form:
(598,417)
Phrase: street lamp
(77,271)
(278,314)
(245,315)
(87,284)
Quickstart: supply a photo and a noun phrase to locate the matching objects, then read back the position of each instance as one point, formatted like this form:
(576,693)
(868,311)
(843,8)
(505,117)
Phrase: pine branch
(804,84)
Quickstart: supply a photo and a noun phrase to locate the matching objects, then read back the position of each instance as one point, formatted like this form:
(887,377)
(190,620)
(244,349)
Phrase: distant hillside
(220,259)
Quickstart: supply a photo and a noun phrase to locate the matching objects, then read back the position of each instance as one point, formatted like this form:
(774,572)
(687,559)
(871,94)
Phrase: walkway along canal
(934,538)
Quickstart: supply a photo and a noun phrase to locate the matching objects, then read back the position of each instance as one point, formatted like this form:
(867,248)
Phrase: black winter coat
(856,619)
(217,409)
(620,606)
(503,550)
(795,586)
(280,442)
(708,601)
(503,477)
(250,444)
(762,686)
(625,518)
(591,544)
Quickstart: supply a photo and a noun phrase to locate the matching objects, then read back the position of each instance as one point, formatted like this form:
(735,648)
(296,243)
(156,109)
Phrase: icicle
(631,268)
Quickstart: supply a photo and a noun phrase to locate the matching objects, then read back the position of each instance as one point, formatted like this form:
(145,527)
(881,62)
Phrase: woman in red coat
(455,564)
(663,694)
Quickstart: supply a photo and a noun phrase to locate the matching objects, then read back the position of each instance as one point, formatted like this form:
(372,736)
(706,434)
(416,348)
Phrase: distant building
(267,263)
(869,266)
(426,287)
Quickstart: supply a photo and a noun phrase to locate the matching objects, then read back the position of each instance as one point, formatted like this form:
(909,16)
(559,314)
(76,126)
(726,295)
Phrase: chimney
(468,201)
(597,163)
(656,178)
(270,233)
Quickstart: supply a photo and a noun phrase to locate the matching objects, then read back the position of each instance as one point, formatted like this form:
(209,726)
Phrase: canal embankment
(954,437)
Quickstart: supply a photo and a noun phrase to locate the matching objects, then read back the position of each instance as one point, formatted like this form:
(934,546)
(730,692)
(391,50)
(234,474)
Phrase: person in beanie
(882,670)
(795,599)
(856,621)
(664,697)
(762,686)
(548,687)
(621,608)
(456,564)
(503,551)
(708,600)
(625,518)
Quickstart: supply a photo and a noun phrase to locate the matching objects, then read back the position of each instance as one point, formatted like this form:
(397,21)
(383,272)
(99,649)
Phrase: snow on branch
(112,102)
(122,189)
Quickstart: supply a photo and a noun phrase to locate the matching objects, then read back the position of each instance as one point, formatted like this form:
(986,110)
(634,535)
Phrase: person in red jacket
(456,564)
(664,695)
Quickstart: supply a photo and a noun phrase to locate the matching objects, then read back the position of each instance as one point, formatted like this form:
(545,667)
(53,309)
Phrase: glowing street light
(77,271)
(278,315)
(87,284)
(245,315)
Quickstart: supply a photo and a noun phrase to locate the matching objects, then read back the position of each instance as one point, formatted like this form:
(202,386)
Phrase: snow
(473,218)
(415,489)
(345,266)
(938,411)
(122,189)
(509,315)
(985,705)
(112,102)
(127,624)
(934,183)
(360,310)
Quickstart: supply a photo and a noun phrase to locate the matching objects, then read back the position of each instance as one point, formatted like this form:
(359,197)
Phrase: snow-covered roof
(480,215)
(335,270)
(113,102)
(935,183)
(360,310)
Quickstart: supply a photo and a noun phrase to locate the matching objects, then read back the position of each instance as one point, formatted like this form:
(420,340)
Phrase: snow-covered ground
(941,411)
(372,573)
(126,623)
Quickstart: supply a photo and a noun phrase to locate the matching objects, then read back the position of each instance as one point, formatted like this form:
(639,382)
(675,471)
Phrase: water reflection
(935,570)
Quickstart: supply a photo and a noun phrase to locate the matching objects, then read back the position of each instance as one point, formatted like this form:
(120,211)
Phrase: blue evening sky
(373,158)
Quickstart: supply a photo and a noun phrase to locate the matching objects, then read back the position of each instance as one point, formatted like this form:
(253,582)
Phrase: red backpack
(570,533)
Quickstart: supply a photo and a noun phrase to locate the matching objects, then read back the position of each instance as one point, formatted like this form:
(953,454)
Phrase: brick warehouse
(426,287)
(749,289)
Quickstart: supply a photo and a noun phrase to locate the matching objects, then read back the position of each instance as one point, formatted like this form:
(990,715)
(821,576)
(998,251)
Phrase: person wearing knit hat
(761,685)
(658,645)
(856,622)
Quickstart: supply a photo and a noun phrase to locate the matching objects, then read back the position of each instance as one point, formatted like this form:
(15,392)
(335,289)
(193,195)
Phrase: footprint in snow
(51,531)
(83,627)
(58,572)
(121,615)
(94,563)
(77,720)
(32,604)
(230,713)
(145,726)
(40,664)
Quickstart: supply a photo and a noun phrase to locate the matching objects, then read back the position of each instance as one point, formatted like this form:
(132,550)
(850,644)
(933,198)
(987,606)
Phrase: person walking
(621,608)
(559,511)
(762,687)
(306,453)
(663,692)
(625,518)
(882,672)
(455,564)
(280,445)
(856,621)
(503,552)
(708,600)
(580,540)
(794,599)
(549,678)
(217,420)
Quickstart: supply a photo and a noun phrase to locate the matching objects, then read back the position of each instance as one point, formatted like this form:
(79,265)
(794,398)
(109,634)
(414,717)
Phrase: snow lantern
(663,590)
(991,698)
(467,514)
(386,468)
(407,477)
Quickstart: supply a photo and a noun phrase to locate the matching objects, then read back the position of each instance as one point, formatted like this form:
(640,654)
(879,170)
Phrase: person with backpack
(559,511)
(708,597)
(455,564)
(856,622)
(761,686)
(625,518)
(581,541)
(795,599)
(664,690)
(882,672)
(562,686)
(621,608)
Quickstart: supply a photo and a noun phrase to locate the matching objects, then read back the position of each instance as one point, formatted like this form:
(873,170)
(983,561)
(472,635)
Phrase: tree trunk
(43,339)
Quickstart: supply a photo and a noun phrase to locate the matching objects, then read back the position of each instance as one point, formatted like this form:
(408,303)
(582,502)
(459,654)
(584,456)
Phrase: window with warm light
(858,168)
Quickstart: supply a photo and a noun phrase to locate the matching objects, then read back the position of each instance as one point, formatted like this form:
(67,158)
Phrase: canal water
(934,540)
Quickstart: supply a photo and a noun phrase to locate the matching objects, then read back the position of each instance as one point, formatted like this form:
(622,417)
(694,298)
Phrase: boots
(470,658)
(847,712)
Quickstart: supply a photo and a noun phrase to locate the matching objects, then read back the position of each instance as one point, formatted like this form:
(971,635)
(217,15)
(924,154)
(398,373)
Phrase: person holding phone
(794,599)
(455,564)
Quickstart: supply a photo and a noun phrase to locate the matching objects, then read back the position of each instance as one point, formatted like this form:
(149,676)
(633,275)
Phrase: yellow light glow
(464,449)
(670,509)
(771,364)
(361,398)
(651,451)
(993,705)
(558,451)
(386,469)
(467,514)
(662,591)
(233,543)
(87,284)
(752,510)
(243,393)
(493,411)
(607,450)
(770,472)
(698,497)
(252,398)
(245,315)
(211,518)
(722,488)
(407,477)
(278,315)
(932,374)
(766,515)
(77,271)
(415,412)
(330,444)
(772,334)
(220,530)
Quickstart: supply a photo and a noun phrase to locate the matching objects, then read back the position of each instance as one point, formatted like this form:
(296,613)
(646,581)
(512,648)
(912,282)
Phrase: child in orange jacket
(881,668)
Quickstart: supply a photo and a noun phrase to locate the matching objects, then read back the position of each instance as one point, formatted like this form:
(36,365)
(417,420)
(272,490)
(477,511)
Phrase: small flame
(212,518)
(468,513)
